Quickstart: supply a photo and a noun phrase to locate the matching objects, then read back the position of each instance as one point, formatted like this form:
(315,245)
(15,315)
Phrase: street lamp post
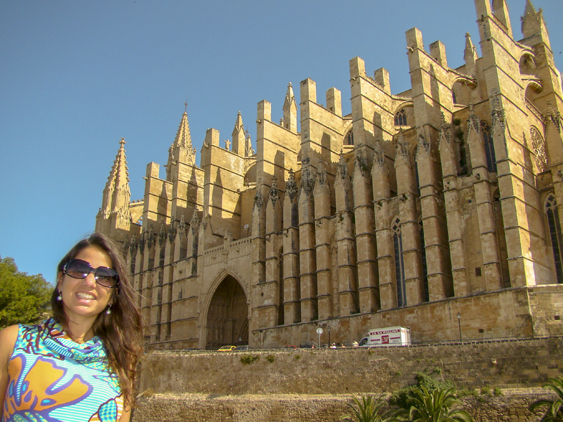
(459,324)
(329,343)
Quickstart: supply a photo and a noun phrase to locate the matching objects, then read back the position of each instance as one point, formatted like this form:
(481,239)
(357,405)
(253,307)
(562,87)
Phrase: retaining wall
(307,384)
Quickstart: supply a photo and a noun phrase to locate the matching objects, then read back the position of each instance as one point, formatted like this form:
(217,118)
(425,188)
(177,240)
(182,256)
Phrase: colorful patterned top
(52,379)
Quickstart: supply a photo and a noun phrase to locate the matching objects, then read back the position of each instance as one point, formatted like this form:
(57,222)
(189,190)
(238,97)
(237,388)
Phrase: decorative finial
(186,107)
(122,142)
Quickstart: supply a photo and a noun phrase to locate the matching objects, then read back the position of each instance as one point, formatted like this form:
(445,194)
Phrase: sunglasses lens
(77,268)
(106,276)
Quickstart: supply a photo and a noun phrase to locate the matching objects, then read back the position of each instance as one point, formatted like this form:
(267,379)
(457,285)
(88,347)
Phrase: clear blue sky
(77,76)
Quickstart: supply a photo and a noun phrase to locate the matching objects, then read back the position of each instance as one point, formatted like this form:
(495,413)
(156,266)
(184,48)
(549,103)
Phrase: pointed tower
(114,214)
(470,55)
(181,151)
(290,110)
(239,139)
(500,9)
(533,24)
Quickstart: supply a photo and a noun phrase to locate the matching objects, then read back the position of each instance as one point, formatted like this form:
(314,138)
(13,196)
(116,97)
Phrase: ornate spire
(533,23)
(117,195)
(239,138)
(470,52)
(181,150)
(290,110)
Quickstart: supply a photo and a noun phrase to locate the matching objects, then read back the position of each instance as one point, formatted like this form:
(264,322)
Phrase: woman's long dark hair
(121,330)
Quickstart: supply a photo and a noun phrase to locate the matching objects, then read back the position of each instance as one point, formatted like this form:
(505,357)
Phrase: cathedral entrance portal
(227,316)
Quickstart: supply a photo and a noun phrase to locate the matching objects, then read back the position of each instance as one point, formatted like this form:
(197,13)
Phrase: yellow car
(227,348)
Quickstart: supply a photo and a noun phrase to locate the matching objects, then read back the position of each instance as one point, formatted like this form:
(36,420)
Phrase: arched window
(554,234)
(401,118)
(489,146)
(425,292)
(399,263)
(349,138)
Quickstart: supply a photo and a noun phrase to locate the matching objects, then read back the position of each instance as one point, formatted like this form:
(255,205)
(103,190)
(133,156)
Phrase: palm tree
(368,410)
(438,406)
(554,411)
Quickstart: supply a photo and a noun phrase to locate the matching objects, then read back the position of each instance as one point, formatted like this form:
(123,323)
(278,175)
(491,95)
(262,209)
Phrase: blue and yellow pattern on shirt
(52,379)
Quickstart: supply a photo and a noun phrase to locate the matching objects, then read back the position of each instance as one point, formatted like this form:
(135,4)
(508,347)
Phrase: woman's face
(84,298)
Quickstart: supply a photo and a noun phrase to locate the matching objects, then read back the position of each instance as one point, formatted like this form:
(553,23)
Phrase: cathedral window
(401,118)
(489,146)
(555,234)
(399,263)
(349,138)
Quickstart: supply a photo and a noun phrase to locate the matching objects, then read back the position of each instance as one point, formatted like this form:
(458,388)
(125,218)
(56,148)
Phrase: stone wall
(307,384)
(511,406)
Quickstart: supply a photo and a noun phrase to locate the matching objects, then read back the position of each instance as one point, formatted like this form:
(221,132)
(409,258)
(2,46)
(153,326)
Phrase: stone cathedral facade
(438,208)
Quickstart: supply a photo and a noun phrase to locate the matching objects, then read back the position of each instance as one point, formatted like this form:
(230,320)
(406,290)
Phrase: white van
(389,336)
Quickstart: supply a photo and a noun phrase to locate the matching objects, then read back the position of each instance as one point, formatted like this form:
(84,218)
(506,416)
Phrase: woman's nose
(90,279)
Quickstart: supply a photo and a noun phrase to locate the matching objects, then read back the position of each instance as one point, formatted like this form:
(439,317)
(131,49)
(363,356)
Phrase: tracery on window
(401,118)
(538,146)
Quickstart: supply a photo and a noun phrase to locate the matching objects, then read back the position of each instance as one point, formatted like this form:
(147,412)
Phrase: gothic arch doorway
(227,316)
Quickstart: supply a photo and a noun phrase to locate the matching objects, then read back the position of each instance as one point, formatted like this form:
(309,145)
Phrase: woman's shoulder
(8,337)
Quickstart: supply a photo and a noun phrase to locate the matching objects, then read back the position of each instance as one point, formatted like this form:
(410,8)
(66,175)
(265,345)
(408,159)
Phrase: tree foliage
(370,410)
(437,406)
(23,298)
(553,409)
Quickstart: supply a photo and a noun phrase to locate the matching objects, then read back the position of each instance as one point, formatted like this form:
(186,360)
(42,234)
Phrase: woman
(80,364)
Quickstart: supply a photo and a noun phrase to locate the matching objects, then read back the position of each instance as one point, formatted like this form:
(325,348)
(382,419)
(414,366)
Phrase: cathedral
(436,209)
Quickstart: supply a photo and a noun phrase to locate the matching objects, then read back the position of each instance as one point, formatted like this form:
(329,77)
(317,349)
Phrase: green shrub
(248,359)
(438,405)
(401,398)
(270,358)
(553,409)
(370,410)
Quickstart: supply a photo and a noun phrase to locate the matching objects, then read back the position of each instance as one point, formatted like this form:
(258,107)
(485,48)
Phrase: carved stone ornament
(473,120)
(361,162)
(150,237)
(194,222)
(274,193)
(125,247)
(291,186)
(342,170)
(402,150)
(445,133)
(424,145)
(171,235)
(497,113)
(133,245)
(162,235)
(307,180)
(554,116)
(379,154)
(538,146)
(321,174)
(259,200)
(182,224)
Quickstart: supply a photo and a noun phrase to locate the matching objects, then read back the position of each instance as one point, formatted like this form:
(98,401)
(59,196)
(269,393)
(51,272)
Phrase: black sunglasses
(104,276)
